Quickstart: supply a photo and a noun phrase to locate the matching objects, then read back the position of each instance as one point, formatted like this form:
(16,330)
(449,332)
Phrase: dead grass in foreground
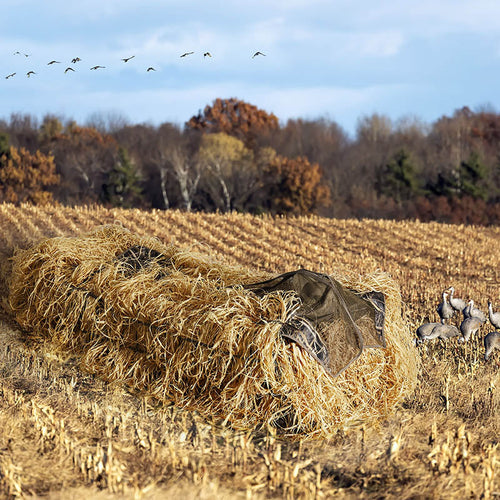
(65,434)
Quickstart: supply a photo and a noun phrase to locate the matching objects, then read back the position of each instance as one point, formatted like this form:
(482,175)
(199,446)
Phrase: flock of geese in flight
(93,68)
(473,319)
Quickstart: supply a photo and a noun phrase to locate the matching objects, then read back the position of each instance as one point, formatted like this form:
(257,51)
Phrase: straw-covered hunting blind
(301,351)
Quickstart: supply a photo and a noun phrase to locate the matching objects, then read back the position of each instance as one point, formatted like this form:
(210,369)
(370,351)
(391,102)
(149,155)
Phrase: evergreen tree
(122,188)
(472,177)
(4,144)
(399,179)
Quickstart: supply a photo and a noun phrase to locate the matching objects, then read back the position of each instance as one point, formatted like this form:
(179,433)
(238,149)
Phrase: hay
(180,328)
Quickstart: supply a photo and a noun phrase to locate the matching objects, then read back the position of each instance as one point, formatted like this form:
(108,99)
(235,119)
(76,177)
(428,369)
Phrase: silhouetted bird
(16,53)
(258,54)
(75,60)
(207,54)
(68,69)
(29,73)
(151,69)
(53,62)
(9,76)
(97,67)
(127,59)
(187,54)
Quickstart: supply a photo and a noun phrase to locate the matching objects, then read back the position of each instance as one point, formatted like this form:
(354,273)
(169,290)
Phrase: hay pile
(180,328)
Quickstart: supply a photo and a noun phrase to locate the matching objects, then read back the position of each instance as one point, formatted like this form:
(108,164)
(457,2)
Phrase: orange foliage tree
(234,117)
(84,158)
(24,177)
(296,186)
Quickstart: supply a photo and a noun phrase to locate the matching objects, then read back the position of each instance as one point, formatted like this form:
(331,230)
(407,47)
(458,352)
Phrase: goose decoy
(471,311)
(469,326)
(491,342)
(455,302)
(444,309)
(429,331)
(493,316)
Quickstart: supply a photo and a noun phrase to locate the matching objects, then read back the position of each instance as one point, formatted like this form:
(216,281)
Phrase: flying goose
(75,60)
(97,67)
(69,68)
(29,73)
(186,54)
(207,54)
(151,69)
(258,53)
(127,59)
(9,76)
(53,62)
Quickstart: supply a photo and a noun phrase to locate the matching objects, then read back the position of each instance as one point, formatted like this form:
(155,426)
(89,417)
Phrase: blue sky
(339,60)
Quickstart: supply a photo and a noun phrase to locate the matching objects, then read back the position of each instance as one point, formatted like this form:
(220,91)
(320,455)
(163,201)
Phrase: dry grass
(66,434)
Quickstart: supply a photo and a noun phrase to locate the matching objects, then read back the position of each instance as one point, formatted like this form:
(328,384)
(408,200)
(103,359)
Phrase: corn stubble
(66,433)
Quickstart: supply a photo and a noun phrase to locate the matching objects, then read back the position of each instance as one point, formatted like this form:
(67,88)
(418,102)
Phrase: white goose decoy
(494,316)
(469,326)
(491,342)
(473,312)
(429,331)
(444,309)
(455,302)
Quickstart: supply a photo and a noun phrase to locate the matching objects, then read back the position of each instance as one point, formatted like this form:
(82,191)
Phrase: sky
(334,59)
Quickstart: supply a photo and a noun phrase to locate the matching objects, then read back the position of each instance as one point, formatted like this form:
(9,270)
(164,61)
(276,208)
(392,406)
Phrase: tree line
(235,156)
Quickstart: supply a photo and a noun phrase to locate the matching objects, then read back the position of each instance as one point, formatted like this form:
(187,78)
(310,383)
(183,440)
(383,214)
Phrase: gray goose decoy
(444,309)
(494,316)
(469,326)
(455,302)
(491,342)
(473,312)
(429,331)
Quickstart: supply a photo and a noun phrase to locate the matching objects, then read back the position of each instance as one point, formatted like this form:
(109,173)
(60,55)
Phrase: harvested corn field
(68,433)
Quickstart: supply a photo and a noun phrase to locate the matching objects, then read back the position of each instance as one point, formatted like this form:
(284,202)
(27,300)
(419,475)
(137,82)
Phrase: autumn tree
(25,177)
(229,173)
(84,157)
(295,186)
(236,118)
